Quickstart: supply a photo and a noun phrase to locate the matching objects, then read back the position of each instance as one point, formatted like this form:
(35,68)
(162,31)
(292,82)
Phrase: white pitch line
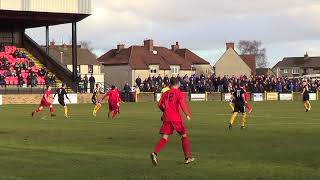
(44,118)
(274,117)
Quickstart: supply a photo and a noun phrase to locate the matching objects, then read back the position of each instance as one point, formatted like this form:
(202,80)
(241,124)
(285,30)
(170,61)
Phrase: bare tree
(86,45)
(254,48)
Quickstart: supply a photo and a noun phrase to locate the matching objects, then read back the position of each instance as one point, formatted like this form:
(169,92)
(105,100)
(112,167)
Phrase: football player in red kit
(114,99)
(46,101)
(170,104)
(247,98)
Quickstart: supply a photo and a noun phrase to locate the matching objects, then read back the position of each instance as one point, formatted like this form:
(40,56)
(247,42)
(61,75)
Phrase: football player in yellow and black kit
(306,96)
(62,93)
(95,99)
(239,101)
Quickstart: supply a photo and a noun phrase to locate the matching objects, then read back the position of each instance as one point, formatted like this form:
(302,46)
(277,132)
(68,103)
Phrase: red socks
(114,114)
(161,144)
(186,146)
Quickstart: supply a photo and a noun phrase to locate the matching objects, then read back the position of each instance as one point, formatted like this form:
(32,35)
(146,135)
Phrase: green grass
(281,143)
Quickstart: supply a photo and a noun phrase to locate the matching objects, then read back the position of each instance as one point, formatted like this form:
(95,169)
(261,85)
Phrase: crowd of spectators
(202,84)
(16,68)
(85,83)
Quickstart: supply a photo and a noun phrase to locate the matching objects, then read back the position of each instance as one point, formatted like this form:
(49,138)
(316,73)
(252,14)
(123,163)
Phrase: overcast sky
(286,27)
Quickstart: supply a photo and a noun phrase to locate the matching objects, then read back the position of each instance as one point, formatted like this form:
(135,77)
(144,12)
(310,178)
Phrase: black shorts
(306,97)
(94,100)
(239,108)
(61,102)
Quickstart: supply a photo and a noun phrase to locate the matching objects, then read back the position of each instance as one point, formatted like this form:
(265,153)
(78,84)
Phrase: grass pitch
(281,143)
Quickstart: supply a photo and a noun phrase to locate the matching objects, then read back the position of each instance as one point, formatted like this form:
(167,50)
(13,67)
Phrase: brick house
(124,65)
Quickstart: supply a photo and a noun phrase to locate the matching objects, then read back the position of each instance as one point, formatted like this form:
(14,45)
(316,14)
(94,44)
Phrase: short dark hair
(174,81)
(113,87)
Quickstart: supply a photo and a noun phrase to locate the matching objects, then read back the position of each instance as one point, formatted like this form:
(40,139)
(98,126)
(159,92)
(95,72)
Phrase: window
(285,71)
(78,69)
(90,69)
(175,69)
(295,71)
(154,69)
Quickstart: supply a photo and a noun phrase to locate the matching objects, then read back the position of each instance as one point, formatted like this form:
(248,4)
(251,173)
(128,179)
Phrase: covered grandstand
(21,57)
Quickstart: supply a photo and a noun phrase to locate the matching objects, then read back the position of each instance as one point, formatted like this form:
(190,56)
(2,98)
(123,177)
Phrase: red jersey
(170,104)
(246,94)
(46,97)
(114,96)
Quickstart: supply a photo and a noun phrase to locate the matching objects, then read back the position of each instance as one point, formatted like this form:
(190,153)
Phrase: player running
(170,104)
(95,100)
(239,107)
(247,98)
(46,102)
(114,99)
(62,94)
(306,96)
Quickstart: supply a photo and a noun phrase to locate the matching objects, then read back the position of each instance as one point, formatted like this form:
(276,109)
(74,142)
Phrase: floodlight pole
(74,52)
(47,39)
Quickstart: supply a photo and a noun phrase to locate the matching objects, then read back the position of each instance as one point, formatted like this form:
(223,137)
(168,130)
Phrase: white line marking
(44,118)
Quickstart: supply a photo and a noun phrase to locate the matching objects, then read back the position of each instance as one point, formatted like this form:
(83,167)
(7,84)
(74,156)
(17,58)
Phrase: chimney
(148,44)
(120,47)
(52,43)
(175,47)
(306,56)
(230,45)
(64,46)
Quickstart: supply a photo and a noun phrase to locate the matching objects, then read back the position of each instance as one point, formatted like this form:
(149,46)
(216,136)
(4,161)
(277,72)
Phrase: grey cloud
(201,25)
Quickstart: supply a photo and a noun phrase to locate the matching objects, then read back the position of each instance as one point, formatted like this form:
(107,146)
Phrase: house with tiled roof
(233,64)
(123,64)
(87,61)
(297,66)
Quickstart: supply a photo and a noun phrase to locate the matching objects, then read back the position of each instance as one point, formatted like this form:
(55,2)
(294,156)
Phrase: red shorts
(114,107)
(168,127)
(45,103)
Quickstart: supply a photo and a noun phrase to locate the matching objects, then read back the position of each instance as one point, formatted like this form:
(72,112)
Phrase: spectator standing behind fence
(126,90)
(85,83)
(2,48)
(2,80)
(20,80)
(138,82)
(92,81)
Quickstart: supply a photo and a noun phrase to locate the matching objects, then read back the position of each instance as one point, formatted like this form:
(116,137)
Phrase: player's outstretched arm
(105,97)
(161,104)
(185,107)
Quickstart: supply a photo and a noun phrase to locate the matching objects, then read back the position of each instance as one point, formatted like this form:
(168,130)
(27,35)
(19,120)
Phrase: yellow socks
(96,109)
(231,106)
(309,105)
(233,118)
(66,111)
(244,120)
